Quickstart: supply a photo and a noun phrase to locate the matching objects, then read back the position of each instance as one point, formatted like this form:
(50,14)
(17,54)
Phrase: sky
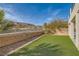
(36,13)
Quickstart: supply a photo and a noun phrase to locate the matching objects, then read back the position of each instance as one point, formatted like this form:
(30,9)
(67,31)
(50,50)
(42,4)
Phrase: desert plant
(56,24)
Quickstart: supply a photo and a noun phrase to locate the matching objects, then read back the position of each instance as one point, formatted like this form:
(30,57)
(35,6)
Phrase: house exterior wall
(74,35)
(77,30)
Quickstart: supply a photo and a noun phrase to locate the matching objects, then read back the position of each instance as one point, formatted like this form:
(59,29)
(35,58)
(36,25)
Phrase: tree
(4,24)
(1,15)
(1,19)
(7,24)
(46,28)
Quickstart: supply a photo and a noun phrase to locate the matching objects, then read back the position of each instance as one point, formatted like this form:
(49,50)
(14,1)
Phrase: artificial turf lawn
(64,42)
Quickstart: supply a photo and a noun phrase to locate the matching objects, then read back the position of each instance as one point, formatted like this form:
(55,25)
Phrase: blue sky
(37,13)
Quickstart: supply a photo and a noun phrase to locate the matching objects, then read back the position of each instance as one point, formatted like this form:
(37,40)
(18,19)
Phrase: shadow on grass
(44,49)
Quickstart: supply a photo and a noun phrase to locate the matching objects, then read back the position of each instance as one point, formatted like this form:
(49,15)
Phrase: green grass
(49,45)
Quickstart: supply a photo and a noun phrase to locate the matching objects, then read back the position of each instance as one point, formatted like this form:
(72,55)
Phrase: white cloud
(56,12)
(54,15)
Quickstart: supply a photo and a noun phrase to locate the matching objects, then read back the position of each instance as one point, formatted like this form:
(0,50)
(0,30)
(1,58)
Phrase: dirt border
(23,46)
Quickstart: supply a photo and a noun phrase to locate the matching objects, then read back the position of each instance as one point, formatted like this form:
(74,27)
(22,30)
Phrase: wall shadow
(44,49)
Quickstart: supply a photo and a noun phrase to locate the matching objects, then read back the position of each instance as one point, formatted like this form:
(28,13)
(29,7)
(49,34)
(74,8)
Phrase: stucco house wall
(74,25)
